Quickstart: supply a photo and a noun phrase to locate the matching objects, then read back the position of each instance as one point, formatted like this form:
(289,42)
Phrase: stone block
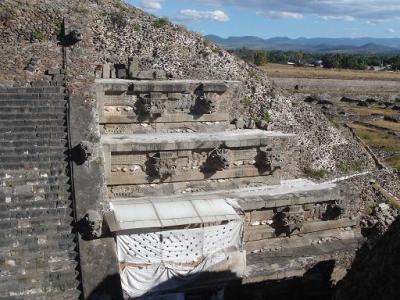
(58,77)
(121,73)
(146,75)
(133,67)
(174,96)
(161,86)
(261,215)
(216,87)
(40,83)
(53,71)
(106,71)
(160,75)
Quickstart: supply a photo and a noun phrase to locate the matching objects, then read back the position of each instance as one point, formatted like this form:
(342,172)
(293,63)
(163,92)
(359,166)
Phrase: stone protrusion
(269,158)
(290,219)
(151,104)
(163,164)
(94,221)
(218,159)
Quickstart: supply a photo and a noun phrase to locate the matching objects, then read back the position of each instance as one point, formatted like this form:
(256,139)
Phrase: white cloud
(151,5)
(280,15)
(391,30)
(196,15)
(374,10)
(337,18)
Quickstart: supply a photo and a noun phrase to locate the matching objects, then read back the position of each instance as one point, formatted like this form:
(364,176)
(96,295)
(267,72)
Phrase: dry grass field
(289,71)
(336,83)
(380,141)
(369,111)
(386,125)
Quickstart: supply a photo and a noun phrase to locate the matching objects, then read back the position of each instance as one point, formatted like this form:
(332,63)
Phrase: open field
(380,141)
(369,111)
(386,125)
(382,136)
(289,71)
(339,87)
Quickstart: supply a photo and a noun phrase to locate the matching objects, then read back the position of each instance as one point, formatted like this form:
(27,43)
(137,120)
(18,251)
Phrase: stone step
(19,265)
(33,100)
(15,178)
(33,129)
(53,281)
(33,96)
(34,157)
(32,116)
(61,201)
(32,123)
(11,135)
(27,189)
(29,110)
(45,167)
(32,90)
(65,294)
(36,239)
(54,251)
(32,247)
(34,146)
(40,229)
(35,213)
(47,148)
(48,221)
(55,192)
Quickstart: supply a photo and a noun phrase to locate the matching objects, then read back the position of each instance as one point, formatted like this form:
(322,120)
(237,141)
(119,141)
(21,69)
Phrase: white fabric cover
(166,259)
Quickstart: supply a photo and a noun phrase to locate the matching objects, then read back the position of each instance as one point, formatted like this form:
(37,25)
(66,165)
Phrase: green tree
(260,58)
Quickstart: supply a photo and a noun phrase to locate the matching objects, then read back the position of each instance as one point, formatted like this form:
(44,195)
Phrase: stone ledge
(278,193)
(296,260)
(176,141)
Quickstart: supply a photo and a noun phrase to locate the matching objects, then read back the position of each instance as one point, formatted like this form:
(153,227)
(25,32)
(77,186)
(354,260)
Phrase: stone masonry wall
(114,31)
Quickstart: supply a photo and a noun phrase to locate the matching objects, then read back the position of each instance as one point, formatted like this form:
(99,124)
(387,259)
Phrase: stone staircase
(37,247)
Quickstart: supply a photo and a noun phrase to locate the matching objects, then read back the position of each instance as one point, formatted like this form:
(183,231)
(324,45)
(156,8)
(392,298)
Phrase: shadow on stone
(375,272)
(204,285)
(315,284)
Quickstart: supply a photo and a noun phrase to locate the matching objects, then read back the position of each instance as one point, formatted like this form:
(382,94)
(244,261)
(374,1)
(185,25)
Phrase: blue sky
(291,18)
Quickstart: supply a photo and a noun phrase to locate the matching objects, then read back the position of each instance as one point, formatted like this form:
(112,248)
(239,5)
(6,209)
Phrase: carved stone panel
(163,164)
(289,219)
(152,105)
(218,159)
(164,102)
(177,157)
(269,159)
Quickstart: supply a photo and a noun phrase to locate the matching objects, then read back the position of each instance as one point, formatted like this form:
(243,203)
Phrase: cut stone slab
(182,141)
(295,261)
(168,86)
(289,192)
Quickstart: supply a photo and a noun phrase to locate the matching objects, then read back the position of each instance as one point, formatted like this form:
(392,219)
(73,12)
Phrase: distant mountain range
(324,45)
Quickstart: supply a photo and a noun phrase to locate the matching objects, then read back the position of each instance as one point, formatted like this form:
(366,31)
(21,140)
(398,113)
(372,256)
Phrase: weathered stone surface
(106,71)
(163,102)
(133,67)
(38,245)
(187,141)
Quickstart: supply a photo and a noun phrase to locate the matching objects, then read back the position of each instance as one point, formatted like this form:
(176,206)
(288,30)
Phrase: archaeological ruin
(151,164)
